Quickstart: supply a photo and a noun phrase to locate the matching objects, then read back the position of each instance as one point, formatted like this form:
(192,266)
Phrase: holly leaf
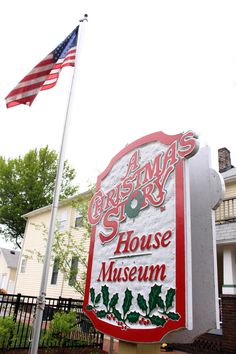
(117,314)
(127,301)
(98,298)
(160,303)
(154,296)
(133,317)
(170,297)
(142,303)
(101,314)
(92,294)
(173,316)
(105,295)
(114,300)
(157,321)
(89,307)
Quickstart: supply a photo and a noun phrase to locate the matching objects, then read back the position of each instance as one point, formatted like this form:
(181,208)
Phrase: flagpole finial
(84,19)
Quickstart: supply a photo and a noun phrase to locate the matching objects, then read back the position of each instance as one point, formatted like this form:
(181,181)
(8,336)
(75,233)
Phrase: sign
(136,279)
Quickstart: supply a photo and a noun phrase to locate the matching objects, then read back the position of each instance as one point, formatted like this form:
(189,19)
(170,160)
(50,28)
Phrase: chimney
(224,160)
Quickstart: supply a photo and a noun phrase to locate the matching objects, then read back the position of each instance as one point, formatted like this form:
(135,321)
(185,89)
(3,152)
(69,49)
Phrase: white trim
(188,248)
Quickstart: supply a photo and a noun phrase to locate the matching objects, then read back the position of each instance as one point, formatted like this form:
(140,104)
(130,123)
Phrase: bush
(61,328)
(7,331)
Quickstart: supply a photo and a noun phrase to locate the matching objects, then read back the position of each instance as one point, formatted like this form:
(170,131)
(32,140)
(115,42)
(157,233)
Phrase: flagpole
(44,279)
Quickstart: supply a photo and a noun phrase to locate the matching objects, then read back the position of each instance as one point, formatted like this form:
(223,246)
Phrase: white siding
(28,283)
(7,275)
(230,190)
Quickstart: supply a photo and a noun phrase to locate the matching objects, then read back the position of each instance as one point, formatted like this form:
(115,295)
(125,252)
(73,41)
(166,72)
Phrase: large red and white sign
(136,276)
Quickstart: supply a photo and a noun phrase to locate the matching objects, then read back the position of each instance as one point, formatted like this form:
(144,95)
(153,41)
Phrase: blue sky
(145,66)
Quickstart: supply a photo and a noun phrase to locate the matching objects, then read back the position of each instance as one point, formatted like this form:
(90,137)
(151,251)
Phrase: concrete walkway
(106,346)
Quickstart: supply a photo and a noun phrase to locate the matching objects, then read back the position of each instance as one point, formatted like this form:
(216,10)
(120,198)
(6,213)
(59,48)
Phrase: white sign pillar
(206,192)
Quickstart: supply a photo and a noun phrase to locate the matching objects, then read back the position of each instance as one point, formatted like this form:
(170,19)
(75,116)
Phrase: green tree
(27,183)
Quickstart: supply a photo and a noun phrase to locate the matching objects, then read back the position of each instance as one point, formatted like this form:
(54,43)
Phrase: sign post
(139,279)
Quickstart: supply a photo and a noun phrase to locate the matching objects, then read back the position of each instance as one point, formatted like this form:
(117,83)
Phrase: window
(62,221)
(73,270)
(23,265)
(55,271)
(78,219)
(3,280)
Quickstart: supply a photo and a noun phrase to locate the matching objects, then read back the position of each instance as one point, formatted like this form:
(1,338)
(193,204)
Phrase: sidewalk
(106,346)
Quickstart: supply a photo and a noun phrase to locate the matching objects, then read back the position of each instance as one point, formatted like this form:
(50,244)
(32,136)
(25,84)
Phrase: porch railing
(226,211)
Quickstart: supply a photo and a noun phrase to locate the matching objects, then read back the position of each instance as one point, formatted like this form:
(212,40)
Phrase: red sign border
(154,334)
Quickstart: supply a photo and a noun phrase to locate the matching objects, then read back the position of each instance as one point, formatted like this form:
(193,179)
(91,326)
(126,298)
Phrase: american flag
(45,74)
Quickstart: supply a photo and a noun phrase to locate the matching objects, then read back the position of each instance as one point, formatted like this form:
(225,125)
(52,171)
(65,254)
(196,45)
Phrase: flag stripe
(23,94)
(45,74)
(31,82)
(24,89)
(24,85)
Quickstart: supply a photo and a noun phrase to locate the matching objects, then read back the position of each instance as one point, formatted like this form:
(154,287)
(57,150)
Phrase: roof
(61,203)
(229,175)
(11,257)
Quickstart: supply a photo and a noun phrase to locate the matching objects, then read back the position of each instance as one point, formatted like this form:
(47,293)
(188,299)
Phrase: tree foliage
(27,183)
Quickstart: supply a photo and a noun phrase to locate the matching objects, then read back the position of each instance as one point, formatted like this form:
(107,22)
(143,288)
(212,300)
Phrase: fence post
(59,302)
(69,304)
(17,305)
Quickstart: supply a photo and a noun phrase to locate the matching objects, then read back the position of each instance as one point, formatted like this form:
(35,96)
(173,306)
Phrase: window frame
(63,218)
(73,270)
(55,271)
(78,219)
(23,265)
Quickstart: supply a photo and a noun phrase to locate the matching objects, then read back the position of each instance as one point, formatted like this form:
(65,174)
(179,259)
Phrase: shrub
(7,331)
(60,329)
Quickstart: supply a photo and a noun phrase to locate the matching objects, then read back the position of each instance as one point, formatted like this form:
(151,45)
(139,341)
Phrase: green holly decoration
(149,310)
(129,210)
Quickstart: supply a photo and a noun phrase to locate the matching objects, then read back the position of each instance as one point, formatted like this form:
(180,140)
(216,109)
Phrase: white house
(29,272)
(226,227)
(8,265)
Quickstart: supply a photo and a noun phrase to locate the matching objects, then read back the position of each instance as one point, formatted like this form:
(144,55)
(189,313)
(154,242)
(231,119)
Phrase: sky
(144,66)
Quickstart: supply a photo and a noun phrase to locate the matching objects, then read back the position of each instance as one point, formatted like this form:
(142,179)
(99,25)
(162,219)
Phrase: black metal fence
(22,309)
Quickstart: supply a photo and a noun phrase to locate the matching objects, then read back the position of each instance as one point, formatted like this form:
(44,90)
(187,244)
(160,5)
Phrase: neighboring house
(29,272)
(226,227)
(8,265)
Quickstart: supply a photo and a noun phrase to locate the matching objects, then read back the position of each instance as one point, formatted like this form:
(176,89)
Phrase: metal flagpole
(41,298)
